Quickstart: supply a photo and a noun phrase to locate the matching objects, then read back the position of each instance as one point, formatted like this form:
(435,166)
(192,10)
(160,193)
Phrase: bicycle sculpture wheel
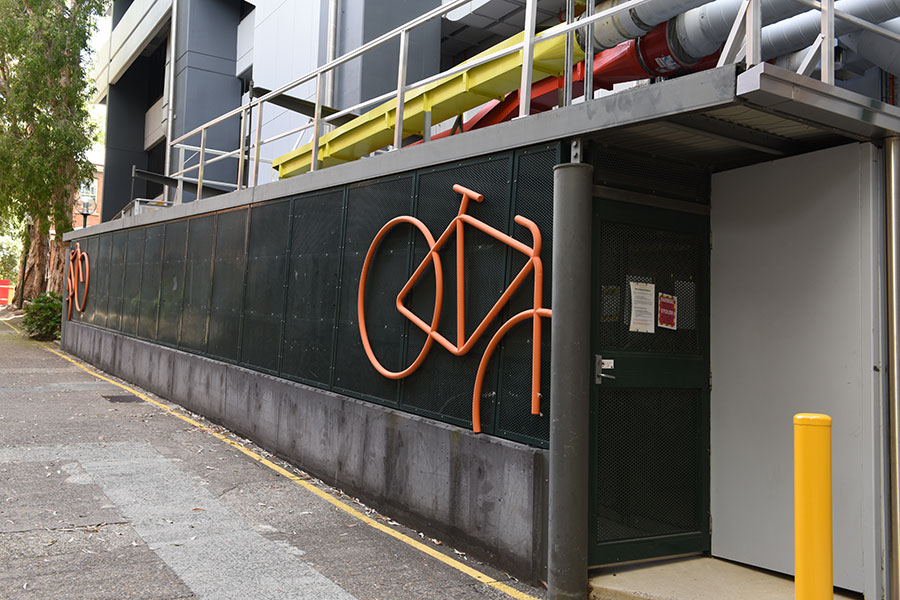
(463,344)
(79,271)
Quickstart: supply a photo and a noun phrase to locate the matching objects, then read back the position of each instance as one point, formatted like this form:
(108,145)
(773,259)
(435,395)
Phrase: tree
(45,128)
(10,248)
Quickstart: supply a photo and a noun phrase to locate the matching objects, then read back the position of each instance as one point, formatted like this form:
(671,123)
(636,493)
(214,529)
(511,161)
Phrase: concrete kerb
(480,493)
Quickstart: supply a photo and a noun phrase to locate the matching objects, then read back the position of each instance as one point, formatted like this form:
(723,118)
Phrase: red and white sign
(667,311)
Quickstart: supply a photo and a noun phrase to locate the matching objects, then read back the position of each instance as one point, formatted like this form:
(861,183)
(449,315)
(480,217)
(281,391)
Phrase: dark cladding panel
(312,287)
(153,245)
(369,207)
(267,252)
(228,285)
(444,385)
(131,294)
(171,286)
(195,314)
(118,251)
(534,201)
(99,288)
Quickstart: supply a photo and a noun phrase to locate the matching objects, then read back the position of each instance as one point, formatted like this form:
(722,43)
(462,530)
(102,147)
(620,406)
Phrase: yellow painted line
(451,562)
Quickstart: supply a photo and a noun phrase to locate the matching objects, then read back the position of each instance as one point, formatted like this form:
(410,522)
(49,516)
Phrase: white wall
(288,41)
(796,327)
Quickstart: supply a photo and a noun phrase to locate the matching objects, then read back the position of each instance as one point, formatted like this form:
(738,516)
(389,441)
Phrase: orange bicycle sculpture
(463,344)
(79,271)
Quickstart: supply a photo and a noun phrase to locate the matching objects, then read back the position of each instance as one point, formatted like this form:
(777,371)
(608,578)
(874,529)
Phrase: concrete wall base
(480,493)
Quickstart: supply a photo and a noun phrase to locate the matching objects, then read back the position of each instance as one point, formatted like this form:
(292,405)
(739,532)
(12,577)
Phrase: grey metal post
(200,172)
(570,383)
(892,234)
(827,50)
(589,54)
(753,29)
(317,119)
(257,148)
(243,150)
(570,54)
(527,58)
(401,89)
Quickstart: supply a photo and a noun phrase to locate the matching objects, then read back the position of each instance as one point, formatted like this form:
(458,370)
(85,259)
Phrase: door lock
(599,365)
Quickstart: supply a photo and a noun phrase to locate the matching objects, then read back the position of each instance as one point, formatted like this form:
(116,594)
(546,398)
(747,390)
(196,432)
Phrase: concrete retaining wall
(477,492)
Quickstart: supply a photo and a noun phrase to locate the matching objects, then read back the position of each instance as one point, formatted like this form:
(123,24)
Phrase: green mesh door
(650,410)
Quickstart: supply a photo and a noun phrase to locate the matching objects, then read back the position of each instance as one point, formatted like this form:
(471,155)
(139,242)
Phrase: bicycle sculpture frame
(77,273)
(463,344)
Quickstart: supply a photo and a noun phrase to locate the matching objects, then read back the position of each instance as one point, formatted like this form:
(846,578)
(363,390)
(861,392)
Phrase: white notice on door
(642,303)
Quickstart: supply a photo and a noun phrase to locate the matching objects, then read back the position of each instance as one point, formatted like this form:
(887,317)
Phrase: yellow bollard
(813,556)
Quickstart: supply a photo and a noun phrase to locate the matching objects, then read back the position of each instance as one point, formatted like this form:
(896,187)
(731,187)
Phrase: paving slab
(697,578)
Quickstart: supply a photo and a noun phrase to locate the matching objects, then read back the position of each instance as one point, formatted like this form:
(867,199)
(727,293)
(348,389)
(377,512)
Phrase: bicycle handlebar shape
(463,344)
(77,274)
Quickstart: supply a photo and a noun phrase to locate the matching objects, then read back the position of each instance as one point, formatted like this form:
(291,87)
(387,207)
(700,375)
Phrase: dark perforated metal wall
(274,287)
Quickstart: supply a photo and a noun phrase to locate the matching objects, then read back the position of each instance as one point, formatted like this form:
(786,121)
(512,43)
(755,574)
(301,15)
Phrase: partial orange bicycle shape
(79,271)
(463,344)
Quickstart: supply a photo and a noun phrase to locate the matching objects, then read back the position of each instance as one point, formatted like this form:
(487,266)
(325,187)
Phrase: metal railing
(743,44)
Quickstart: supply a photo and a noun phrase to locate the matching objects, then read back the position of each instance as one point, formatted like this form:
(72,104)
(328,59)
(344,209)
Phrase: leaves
(45,127)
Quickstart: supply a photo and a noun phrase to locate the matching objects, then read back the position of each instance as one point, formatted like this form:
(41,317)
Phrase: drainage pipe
(567,560)
(892,235)
(170,100)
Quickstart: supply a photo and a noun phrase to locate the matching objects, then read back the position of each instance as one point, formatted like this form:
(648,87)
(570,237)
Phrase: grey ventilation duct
(702,31)
(801,31)
(636,22)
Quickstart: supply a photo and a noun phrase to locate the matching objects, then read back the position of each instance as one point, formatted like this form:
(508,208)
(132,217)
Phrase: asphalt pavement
(109,492)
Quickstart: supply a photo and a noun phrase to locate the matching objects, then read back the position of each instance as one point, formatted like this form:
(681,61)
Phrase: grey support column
(570,383)
(892,234)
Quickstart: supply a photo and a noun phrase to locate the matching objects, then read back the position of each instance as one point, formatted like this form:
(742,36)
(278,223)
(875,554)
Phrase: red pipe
(648,56)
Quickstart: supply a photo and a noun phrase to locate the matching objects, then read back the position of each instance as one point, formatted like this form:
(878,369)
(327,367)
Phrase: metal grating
(116,279)
(228,285)
(443,385)
(310,313)
(275,287)
(131,291)
(171,287)
(100,275)
(534,200)
(648,477)
(672,262)
(197,284)
(369,206)
(267,255)
(154,238)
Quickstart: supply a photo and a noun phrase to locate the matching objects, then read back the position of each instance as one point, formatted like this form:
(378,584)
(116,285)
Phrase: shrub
(43,316)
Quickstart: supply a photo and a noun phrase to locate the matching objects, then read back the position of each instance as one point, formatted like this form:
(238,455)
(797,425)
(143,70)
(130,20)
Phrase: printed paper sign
(667,313)
(642,301)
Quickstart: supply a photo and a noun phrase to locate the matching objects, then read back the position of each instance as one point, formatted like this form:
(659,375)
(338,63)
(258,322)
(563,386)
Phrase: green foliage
(45,128)
(43,316)
(10,249)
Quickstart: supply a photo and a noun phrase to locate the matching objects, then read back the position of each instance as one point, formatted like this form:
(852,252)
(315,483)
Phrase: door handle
(599,365)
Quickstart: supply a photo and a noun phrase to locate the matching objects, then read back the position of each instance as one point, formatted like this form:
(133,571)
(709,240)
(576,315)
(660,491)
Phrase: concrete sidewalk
(105,495)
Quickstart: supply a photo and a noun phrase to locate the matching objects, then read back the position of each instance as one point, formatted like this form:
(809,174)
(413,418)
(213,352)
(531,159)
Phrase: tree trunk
(58,253)
(20,276)
(35,272)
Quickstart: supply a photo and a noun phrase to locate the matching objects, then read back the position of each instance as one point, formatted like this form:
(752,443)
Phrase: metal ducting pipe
(701,32)
(878,50)
(611,32)
(801,31)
